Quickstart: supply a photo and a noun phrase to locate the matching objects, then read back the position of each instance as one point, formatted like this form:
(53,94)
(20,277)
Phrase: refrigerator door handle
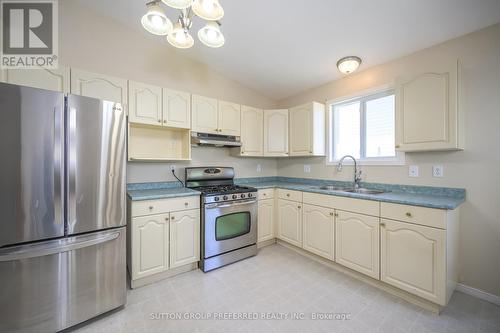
(54,247)
(72,163)
(58,165)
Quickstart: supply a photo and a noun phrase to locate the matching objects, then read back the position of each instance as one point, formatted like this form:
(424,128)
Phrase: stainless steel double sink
(360,190)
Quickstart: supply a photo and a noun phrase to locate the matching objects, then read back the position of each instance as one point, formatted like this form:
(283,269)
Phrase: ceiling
(282,47)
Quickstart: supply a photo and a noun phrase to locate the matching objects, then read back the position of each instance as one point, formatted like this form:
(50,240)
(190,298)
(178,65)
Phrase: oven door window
(232,225)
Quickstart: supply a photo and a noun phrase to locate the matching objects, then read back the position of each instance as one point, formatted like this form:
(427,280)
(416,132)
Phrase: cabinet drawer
(361,206)
(267,193)
(290,195)
(419,215)
(149,207)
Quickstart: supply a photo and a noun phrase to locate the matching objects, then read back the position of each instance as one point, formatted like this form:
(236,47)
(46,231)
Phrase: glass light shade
(211,36)
(180,38)
(349,64)
(178,4)
(155,21)
(209,10)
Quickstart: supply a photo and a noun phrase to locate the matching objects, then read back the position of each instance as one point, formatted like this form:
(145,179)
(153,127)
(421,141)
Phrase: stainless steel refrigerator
(62,209)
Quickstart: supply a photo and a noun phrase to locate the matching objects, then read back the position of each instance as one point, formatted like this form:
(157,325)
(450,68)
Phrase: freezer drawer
(50,286)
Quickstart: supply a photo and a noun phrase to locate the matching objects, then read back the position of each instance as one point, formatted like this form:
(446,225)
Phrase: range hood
(214,140)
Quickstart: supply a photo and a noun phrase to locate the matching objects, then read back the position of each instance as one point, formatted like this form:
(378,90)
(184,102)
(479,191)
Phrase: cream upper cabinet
(265,221)
(413,259)
(176,109)
(100,86)
(204,114)
(229,118)
(252,130)
(145,103)
(318,231)
(276,133)
(50,79)
(357,242)
(307,130)
(290,222)
(428,113)
(150,249)
(184,237)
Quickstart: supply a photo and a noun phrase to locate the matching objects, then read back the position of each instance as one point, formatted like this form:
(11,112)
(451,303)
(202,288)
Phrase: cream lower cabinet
(413,258)
(184,237)
(290,222)
(318,231)
(150,249)
(357,242)
(50,79)
(266,217)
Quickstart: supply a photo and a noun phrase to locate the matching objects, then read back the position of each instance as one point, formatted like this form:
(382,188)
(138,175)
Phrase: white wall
(477,168)
(96,43)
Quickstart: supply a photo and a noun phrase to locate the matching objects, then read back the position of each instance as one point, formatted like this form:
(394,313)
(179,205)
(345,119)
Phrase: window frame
(362,97)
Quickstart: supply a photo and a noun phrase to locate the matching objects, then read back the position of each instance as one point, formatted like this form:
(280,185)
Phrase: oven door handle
(232,204)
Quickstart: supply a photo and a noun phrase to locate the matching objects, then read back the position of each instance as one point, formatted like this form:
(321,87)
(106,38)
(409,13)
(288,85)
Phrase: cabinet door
(99,86)
(300,131)
(357,242)
(149,245)
(413,259)
(50,79)
(144,103)
(176,109)
(266,218)
(184,237)
(318,231)
(290,222)
(276,132)
(252,131)
(204,114)
(427,111)
(229,118)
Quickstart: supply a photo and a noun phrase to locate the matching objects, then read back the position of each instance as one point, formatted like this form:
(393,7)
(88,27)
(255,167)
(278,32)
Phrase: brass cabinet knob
(336,214)
(288,194)
(397,146)
(151,207)
(264,194)
(164,121)
(172,218)
(159,120)
(299,207)
(382,224)
(408,214)
(186,203)
(331,214)
(166,218)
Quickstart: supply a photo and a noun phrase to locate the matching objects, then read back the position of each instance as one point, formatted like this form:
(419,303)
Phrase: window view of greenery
(364,127)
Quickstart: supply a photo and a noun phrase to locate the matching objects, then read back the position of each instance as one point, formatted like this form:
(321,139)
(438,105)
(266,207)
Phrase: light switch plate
(259,168)
(437,171)
(307,168)
(413,171)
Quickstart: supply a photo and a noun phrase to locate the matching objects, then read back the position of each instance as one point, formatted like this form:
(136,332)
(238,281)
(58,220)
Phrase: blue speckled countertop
(164,190)
(425,196)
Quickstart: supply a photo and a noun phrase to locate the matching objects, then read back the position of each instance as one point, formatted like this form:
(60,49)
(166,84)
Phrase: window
(364,127)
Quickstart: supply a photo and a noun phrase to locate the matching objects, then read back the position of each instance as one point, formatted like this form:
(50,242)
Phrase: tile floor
(279,281)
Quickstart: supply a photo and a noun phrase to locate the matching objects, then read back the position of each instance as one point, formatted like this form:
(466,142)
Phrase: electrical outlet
(307,168)
(259,168)
(413,171)
(172,167)
(437,171)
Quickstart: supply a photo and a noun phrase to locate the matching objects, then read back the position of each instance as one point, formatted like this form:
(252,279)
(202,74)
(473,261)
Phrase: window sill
(400,160)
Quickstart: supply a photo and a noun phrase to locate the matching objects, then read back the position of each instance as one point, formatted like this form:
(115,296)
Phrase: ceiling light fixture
(349,64)
(156,22)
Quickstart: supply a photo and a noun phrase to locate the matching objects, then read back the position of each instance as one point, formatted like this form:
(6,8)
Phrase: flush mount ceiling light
(347,65)
(156,22)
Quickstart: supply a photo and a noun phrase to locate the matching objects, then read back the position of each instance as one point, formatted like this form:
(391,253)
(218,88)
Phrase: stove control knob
(234,196)
(224,197)
(250,195)
(216,199)
(243,195)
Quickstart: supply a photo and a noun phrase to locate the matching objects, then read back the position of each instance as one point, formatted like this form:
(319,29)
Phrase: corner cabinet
(275,132)
(145,103)
(307,130)
(99,86)
(318,231)
(252,130)
(357,242)
(50,79)
(429,116)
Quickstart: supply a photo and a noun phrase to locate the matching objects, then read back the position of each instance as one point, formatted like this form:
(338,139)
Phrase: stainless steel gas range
(228,216)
